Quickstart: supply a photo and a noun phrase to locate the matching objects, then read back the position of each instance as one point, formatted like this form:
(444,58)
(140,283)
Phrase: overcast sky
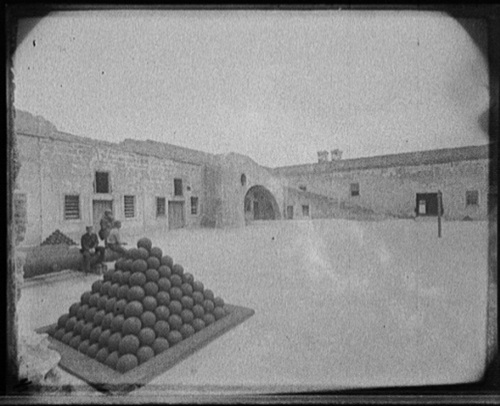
(277,86)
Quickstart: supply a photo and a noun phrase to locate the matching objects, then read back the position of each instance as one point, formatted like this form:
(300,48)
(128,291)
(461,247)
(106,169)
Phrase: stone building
(66,182)
(400,185)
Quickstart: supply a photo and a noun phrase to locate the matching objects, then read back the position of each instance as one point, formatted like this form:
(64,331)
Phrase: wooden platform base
(107,379)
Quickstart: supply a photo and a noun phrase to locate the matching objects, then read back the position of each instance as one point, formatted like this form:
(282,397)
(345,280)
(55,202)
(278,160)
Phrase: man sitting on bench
(90,249)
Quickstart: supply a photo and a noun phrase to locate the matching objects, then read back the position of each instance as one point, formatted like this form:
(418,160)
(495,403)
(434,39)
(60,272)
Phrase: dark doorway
(260,204)
(427,204)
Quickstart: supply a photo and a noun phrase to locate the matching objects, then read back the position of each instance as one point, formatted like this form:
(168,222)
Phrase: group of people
(109,233)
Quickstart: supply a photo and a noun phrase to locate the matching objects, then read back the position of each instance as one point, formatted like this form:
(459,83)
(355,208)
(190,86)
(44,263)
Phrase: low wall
(321,207)
(55,258)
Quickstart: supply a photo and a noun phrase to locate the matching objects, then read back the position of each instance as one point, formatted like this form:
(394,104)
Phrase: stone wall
(212,206)
(56,164)
(232,192)
(53,168)
(392,191)
(320,206)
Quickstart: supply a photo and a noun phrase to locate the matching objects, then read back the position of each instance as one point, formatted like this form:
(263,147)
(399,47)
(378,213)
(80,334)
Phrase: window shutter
(71,207)
(129,206)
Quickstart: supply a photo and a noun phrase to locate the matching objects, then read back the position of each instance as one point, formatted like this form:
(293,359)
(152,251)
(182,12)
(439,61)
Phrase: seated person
(90,249)
(114,242)
(106,225)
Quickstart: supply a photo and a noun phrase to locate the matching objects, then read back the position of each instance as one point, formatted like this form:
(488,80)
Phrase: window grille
(129,206)
(471,198)
(71,207)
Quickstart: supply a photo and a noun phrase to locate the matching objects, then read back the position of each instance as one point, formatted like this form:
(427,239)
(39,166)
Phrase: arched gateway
(260,204)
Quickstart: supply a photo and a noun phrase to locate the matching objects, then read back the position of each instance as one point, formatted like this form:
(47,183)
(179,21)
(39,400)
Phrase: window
(194,205)
(161,207)
(471,198)
(129,206)
(289,212)
(71,207)
(354,189)
(177,187)
(243,179)
(305,210)
(303,188)
(102,182)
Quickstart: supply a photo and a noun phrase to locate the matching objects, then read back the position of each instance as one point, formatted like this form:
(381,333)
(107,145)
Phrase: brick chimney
(336,154)
(322,156)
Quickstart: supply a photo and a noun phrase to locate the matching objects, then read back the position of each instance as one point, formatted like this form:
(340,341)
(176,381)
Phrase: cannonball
(165,271)
(136,293)
(129,344)
(144,354)
(187,330)
(174,337)
(153,262)
(145,243)
(167,260)
(143,253)
(148,319)
(134,308)
(162,313)
(161,328)
(131,325)
(198,324)
(139,265)
(175,293)
(187,302)
(164,284)
(152,275)
(156,252)
(150,303)
(160,344)
(147,336)
(175,307)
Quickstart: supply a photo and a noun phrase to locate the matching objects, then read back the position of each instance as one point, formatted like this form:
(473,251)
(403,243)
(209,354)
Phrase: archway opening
(260,204)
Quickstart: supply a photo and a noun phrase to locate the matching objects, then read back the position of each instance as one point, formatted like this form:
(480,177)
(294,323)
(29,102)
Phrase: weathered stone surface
(37,362)
(392,190)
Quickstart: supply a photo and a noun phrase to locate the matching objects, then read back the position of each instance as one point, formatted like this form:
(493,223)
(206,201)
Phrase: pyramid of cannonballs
(141,308)
(58,238)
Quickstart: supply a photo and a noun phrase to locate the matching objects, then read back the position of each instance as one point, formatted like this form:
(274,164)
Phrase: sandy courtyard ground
(337,304)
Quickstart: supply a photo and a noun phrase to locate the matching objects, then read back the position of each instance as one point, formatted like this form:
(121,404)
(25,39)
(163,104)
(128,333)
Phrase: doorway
(175,215)
(427,204)
(260,204)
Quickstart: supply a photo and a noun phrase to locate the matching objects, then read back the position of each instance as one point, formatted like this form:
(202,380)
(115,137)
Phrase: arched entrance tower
(260,204)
